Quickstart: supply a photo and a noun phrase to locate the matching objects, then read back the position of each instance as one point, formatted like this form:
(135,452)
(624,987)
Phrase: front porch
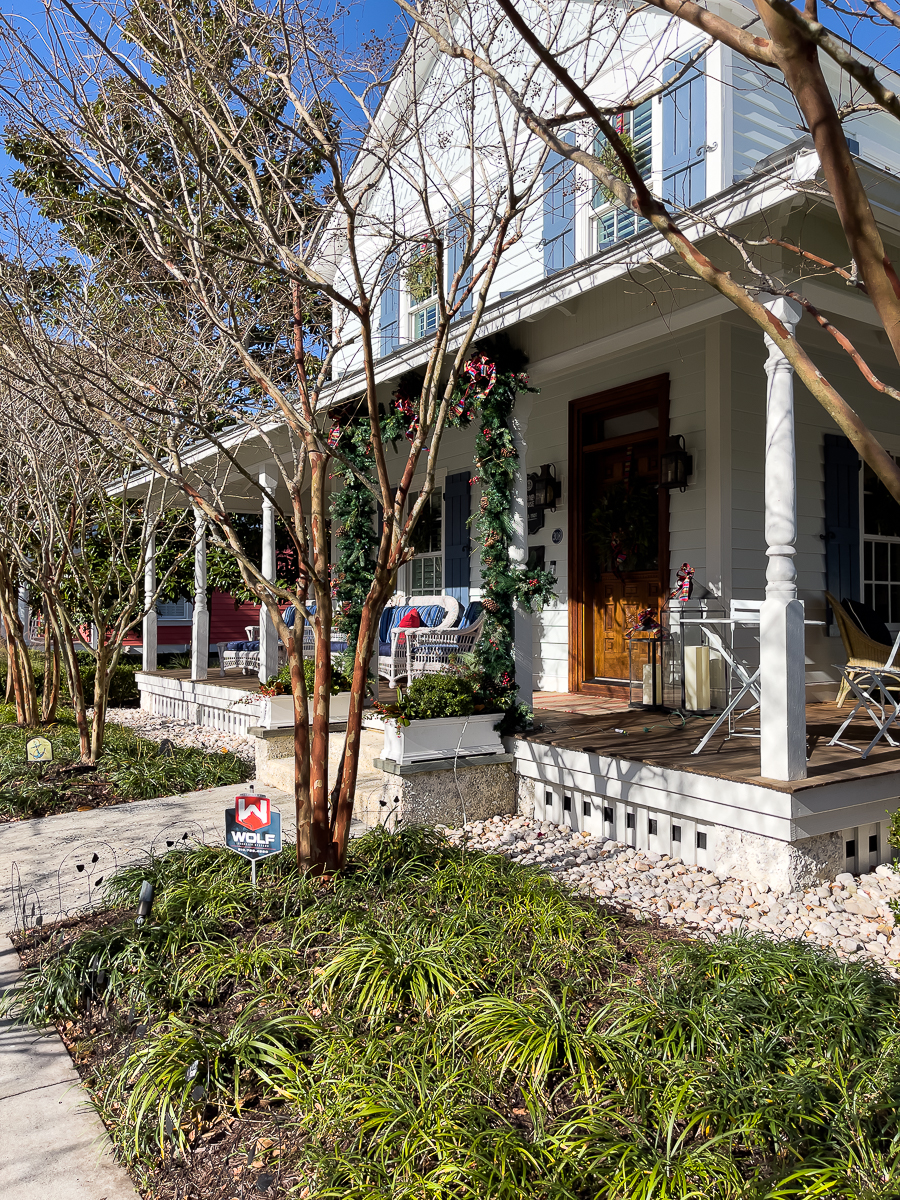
(630,775)
(231,703)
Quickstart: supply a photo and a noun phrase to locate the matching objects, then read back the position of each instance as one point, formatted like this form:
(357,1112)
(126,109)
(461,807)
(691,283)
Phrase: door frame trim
(630,397)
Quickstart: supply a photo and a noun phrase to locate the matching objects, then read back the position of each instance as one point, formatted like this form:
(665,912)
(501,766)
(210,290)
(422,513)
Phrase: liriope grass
(437,1023)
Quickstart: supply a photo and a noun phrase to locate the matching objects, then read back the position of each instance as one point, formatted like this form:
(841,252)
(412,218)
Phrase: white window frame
(439,482)
(893,448)
(599,213)
(180,612)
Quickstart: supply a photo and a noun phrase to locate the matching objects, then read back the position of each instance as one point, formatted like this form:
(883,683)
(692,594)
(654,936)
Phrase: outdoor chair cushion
(432,614)
(242,645)
(389,618)
(869,621)
(410,620)
(471,614)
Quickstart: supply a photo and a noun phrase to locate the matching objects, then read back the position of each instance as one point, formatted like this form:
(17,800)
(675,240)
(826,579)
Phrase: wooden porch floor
(660,740)
(231,679)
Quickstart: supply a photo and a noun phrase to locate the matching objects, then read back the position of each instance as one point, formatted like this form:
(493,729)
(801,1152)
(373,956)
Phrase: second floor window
(613,221)
(421,285)
(559,212)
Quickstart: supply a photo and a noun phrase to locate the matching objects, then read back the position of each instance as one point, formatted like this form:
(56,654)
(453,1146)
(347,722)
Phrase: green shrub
(434,696)
(341,675)
(140,772)
(123,689)
(438,1022)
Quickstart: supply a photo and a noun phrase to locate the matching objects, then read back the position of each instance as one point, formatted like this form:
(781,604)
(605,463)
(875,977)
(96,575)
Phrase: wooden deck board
(232,678)
(651,738)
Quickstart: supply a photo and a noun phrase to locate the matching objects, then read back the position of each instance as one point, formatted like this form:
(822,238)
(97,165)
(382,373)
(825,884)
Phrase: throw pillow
(411,620)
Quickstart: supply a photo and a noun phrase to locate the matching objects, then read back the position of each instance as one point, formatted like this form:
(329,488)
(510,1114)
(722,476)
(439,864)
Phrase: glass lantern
(645,671)
(695,673)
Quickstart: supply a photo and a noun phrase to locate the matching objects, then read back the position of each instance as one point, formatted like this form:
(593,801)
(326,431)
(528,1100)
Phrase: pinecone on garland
(491,539)
(484,504)
(490,604)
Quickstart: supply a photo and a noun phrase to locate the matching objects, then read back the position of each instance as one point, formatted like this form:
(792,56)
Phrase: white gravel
(182,733)
(850,915)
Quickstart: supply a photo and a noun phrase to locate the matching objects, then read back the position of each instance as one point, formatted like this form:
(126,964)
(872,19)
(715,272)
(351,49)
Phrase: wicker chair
(434,650)
(862,652)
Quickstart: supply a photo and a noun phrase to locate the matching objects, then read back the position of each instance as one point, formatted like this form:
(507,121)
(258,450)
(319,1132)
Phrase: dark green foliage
(341,675)
(123,689)
(353,521)
(432,696)
(140,772)
(497,378)
(130,768)
(451,1024)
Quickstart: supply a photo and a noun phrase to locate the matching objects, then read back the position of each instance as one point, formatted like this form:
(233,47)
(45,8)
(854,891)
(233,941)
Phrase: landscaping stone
(181,733)
(851,916)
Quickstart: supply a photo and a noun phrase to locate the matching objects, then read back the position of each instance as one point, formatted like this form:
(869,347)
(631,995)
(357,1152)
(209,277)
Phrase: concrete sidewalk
(53,1145)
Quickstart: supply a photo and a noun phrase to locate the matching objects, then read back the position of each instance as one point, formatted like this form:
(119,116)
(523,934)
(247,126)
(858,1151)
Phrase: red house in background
(227,623)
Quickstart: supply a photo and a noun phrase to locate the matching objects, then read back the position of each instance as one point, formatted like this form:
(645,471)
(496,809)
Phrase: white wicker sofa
(245,655)
(438,613)
(433,650)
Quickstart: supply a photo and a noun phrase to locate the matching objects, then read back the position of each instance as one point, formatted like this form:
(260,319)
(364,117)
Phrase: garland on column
(495,377)
(492,379)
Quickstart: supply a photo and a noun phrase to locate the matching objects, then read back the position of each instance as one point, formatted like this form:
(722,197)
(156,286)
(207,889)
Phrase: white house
(632,362)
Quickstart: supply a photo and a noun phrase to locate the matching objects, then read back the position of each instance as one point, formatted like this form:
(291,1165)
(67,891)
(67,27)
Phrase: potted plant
(438,716)
(278,703)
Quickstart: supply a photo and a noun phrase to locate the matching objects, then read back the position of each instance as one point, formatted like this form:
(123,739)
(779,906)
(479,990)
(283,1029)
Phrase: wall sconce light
(544,489)
(675,465)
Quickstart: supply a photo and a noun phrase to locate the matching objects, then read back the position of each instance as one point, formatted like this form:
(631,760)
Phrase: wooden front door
(618,561)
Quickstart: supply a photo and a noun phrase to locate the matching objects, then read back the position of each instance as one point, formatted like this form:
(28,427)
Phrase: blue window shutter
(456,244)
(389,314)
(684,137)
(842,465)
(559,212)
(457,495)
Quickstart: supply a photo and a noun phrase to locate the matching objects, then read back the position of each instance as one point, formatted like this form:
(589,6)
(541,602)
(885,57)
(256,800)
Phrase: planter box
(278,711)
(443,737)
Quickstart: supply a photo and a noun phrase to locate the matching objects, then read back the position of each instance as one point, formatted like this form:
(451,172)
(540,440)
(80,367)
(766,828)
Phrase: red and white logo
(253,812)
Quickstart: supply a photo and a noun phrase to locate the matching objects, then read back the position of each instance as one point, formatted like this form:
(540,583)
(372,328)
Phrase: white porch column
(518,551)
(268,636)
(150,618)
(781,644)
(200,622)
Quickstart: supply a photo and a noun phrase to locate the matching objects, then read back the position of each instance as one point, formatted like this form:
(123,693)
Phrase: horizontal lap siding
(683,359)
(748,458)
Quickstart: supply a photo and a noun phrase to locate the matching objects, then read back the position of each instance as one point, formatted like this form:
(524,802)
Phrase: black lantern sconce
(675,465)
(544,489)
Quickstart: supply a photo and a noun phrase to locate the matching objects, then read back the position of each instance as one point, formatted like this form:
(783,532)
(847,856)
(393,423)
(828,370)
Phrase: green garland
(492,379)
(496,375)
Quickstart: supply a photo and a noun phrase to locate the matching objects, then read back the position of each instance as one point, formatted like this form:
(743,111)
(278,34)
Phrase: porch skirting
(785,837)
(230,709)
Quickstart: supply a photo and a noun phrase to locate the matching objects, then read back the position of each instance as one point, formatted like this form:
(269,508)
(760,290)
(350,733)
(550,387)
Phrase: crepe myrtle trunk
(320,848)
(18,659)
(105,664)
(63,634)
(50,699)
(302,807)
(365,644)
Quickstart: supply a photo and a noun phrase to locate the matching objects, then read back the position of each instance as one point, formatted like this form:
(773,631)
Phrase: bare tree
(219,302)
(576,55)
(77,548)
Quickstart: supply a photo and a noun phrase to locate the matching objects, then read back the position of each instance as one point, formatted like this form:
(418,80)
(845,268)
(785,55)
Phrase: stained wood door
(619,544)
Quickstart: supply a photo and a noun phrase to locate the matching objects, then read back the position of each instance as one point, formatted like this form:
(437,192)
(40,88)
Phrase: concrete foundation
(783,865)
(437,795)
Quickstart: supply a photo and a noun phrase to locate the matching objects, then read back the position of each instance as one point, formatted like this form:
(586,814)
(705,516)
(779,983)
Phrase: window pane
(895,602)
(895,561)
(867,560)
(428,574)
(881,602)
(417,576)
(438,576)
(881,560)
(606,229)
(881,513)
(625,224)
(868,595)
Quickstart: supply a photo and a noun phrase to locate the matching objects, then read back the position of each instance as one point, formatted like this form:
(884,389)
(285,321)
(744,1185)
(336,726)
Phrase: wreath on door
(624,527)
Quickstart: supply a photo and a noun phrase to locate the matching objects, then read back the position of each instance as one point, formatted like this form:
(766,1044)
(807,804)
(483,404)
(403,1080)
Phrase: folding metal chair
(877,692)
(742,612)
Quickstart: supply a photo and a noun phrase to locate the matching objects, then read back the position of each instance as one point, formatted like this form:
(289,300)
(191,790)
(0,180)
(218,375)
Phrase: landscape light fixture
(675,465)
(145,901)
